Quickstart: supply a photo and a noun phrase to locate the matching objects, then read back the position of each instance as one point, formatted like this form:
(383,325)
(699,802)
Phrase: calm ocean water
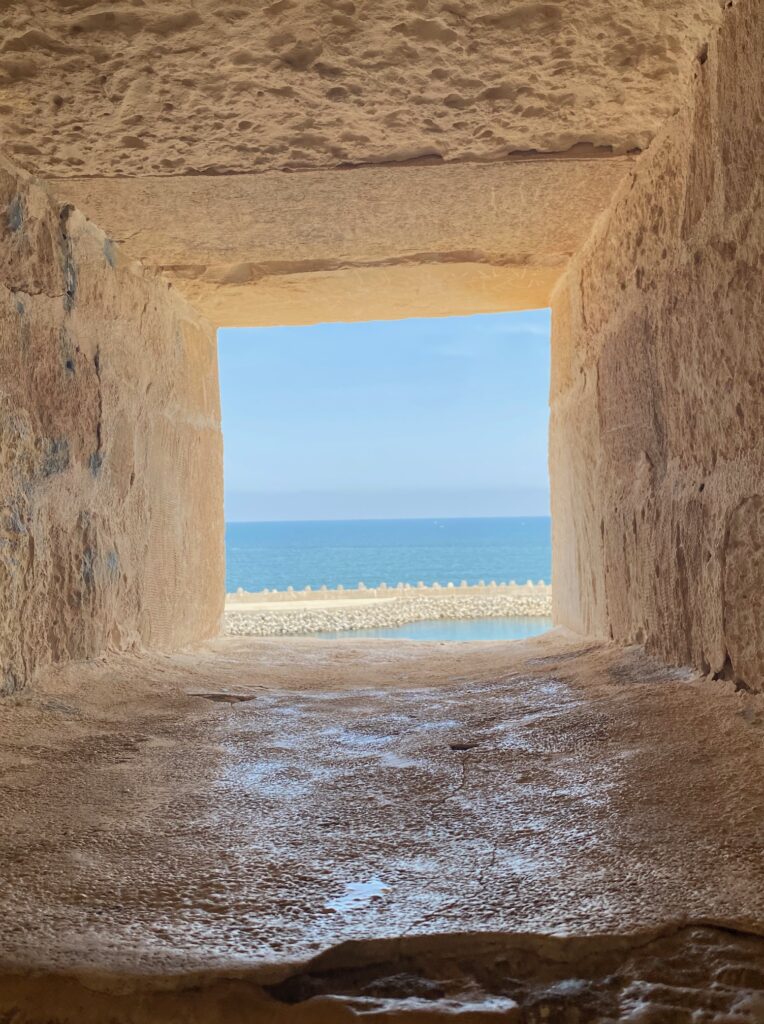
(278,555)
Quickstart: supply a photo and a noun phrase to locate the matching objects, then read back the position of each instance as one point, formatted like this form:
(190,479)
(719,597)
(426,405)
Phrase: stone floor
(312,830)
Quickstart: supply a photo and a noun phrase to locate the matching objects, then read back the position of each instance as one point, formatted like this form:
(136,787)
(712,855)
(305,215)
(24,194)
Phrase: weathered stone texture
(110,446)
(199,86)
(657,441)
(363,244)
(301,161)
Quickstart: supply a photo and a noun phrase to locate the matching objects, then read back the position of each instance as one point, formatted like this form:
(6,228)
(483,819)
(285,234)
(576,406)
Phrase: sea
(373,551)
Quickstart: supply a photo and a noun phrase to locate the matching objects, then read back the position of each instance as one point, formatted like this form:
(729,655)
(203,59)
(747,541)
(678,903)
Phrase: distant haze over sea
(418,502)
(373,551)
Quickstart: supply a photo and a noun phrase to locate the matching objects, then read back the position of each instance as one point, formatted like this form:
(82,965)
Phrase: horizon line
(382,519)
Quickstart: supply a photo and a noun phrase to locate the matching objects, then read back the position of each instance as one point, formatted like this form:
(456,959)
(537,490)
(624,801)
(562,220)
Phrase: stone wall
(111,531)
(657,437)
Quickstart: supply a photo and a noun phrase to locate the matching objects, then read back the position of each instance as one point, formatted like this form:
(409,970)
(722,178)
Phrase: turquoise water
(279,555)
(446,630)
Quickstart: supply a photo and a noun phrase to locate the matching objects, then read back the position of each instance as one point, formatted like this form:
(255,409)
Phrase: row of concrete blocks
(361,590)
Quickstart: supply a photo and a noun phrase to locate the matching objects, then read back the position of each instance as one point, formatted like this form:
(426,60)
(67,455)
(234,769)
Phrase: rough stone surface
(110,446)
(364,244)
(657,461)
(198,86)
(184,118)
(359,821)
(554,830)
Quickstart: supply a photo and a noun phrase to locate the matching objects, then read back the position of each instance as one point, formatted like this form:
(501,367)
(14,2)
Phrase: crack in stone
(454,789)
(580,151)
(34,294)
(481,875)
(128,238)
(247,274)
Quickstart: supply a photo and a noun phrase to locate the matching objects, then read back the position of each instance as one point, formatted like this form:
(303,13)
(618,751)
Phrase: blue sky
(394,419)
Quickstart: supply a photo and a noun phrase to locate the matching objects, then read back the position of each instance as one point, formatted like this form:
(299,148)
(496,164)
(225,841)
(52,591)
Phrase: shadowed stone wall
(111,513)
(657,437)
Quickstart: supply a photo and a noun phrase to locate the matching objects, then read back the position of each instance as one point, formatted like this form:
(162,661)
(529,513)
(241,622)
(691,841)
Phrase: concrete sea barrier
(295,613)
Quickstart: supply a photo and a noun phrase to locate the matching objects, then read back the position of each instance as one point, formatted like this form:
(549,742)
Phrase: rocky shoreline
(386,612)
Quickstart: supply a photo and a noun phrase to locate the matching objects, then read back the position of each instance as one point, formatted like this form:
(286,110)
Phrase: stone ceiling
(173,123)
(369,243)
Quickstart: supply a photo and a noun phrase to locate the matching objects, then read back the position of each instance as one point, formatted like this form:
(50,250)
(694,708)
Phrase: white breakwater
(363,593)
(259,616)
